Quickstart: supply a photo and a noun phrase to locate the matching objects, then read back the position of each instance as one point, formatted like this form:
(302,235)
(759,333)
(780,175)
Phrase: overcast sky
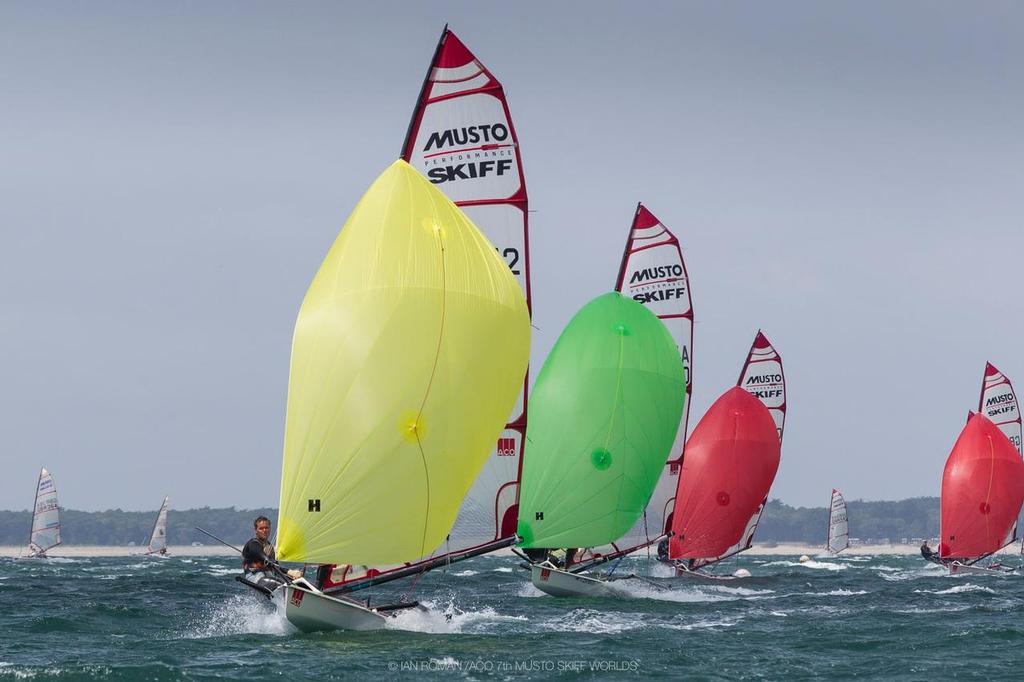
(846,176)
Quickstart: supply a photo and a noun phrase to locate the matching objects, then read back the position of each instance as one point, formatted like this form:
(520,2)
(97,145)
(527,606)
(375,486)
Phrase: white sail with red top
(999,403)
(652,272)
(461,137)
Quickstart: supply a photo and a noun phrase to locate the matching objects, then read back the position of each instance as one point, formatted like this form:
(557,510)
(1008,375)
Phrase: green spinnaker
(603,414)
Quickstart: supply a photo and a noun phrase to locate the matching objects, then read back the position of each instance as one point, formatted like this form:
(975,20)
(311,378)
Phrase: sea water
(870,617)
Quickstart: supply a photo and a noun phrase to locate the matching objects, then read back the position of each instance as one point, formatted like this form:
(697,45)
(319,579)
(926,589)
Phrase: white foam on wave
(217,571)
(812,564)
(837,593)
(961,589)
(241,614)
(530,590)
(27,673)
(703,624)
(465,574)
(927,571)
(503,569)
(449,619)
(595,622)
(689,594)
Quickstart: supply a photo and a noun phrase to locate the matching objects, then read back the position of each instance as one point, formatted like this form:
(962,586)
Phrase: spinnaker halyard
(838,525)
(461,137)
(604,412)
(384,436)
(45,532)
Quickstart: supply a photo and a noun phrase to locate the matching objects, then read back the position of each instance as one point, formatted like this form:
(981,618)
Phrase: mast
(461,137)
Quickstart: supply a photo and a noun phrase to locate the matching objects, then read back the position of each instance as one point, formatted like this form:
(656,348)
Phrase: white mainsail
(45,517)
(838,525)
(158,538)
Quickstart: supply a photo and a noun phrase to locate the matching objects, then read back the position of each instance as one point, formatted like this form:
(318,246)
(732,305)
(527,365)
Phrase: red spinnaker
(731,461)
(982,492)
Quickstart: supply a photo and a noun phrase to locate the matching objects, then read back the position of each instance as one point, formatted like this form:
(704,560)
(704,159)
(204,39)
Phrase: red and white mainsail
(731,460)
(999,403)
(982,492)
(762,376)
(653,273)
(462,139)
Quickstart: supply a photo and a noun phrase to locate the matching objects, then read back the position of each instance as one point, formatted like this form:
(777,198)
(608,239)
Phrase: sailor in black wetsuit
(258,555)
(928,554)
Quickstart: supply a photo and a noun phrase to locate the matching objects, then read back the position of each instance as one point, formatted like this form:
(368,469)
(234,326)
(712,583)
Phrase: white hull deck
(310,611)
(559,583)
(957,568)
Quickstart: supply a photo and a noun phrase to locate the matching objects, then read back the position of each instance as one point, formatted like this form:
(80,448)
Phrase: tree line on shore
(869,521)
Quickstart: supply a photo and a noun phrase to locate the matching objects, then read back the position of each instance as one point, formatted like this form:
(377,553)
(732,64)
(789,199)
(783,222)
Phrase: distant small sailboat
(409,351)
(45,533)
(604,412)
(982,494)
(731,460)
(838,525)
(158,537)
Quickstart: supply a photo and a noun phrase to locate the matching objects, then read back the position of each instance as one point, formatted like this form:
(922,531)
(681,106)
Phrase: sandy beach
(75,551)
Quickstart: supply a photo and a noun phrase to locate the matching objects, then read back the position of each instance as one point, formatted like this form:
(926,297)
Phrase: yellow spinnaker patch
(409,351)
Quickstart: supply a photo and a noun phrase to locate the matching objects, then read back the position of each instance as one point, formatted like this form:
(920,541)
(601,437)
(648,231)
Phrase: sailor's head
(262,526)
(924,543)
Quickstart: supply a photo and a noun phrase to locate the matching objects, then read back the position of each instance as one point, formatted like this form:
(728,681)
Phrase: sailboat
(45,533)
(731,460)
(652,272)
(158,537)
(838,526)
(604,412)
(409,350)
(461,137)
(982,494)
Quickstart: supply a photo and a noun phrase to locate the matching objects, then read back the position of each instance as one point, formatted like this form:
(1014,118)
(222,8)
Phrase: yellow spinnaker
(409,350)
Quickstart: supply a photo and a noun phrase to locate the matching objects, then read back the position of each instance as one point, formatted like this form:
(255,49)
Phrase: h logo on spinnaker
(314,505)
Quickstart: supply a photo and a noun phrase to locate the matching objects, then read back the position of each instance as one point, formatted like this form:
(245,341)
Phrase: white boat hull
(312,611)
(559,583)
(970,569)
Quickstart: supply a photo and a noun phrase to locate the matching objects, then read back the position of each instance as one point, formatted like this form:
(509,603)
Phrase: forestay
(604,411)
(409,350)
(652,272)
(838,526)
(45,532)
